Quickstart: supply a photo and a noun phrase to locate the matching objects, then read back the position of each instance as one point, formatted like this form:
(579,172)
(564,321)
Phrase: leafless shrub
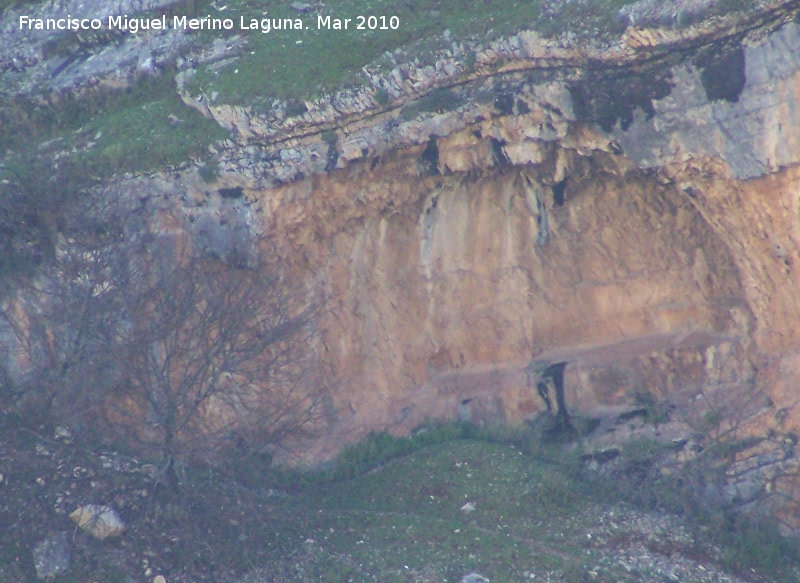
(172,352)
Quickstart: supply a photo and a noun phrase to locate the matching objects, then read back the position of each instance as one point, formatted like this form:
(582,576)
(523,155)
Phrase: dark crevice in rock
(235,192)
(639,412)
(504,104)
(332,157)
(499,152)
(723,73)
(559,190)
(601,457)
(606,99)
(429,160)
(542,225)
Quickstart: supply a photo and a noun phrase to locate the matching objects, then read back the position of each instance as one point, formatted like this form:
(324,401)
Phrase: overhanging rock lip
(627,349)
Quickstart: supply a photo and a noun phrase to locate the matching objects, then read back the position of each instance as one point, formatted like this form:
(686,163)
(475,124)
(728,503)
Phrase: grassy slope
(404,519)
(400,522)
(533,520)
(323,60)
(389,510)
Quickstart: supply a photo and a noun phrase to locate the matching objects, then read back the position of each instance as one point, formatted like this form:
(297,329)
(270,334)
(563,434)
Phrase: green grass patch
(139,133)
(404,518)
(143,127)
(305,63)
(529,492)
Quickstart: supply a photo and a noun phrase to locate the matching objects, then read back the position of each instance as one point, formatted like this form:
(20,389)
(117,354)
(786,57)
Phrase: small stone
(51,556)
(99,521)
(62,432)
(159,579)
(474,578)
(300,6)
(149,470)
(468,507)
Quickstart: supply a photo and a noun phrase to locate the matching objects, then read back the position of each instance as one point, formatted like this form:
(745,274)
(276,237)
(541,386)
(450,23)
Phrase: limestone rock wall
(602,209)
(442,288)
(639,222)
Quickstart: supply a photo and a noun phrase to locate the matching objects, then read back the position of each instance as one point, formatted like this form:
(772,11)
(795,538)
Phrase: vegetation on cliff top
(129,129)
(146,127)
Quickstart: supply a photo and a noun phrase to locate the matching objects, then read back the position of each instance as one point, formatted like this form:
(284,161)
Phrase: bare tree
(61,318)
(174,352)
(214,354)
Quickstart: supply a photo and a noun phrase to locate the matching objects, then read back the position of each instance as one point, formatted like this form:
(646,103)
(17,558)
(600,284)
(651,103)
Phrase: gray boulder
(51,556)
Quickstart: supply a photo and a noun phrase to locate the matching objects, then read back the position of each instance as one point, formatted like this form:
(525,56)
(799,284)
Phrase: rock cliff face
(447,293)
(632,210)
(637,218)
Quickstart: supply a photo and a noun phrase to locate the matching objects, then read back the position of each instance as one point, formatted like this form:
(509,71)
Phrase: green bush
(209,172)
(410,111)
(378,448)
(642,450)
(470,61)
(757,544)
(371,452)
(295,108)
(711,420)
(330,137)
(382,97)
(437,101)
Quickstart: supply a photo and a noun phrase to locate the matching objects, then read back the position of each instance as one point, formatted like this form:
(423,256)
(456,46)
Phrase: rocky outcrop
(33,52)
(63,63)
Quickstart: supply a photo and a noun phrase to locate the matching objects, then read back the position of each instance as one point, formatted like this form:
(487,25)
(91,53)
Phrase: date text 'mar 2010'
(361,23)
